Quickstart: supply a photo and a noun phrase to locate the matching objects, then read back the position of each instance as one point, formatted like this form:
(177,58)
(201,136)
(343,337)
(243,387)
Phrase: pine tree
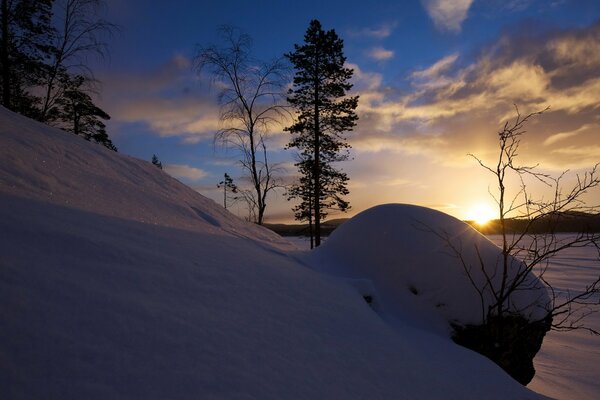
(78,114)
(325,112)
(25,29)
(303,191)
(228,186)
(156,162)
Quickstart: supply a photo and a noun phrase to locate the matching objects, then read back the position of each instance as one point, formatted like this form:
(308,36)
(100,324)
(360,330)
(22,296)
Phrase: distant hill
(302,229)
(557,223)
(560,223)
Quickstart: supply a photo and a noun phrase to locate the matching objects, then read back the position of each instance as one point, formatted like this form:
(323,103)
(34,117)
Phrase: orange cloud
(185,171)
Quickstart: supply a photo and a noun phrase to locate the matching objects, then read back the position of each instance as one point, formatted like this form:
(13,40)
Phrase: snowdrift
(405,253)
(117,281)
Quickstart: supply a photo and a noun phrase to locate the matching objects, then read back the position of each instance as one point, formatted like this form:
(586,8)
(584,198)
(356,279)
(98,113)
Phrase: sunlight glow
(481,214)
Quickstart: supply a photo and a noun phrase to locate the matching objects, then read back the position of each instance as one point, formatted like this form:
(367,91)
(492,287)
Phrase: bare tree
(250,98)
(80,33)
(528,228)
(535,247)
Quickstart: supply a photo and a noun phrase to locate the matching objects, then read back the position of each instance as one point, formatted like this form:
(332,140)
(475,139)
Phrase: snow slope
(117,281)
(56,167)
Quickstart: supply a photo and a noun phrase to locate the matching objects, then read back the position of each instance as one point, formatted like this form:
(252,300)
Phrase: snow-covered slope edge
(102,302)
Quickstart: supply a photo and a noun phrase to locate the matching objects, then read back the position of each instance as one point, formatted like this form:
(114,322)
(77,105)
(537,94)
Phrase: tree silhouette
(156,162)
(78,114)
(228,187)
(79,33)
(325,112)
(505,336)
(250,100)
(25,26)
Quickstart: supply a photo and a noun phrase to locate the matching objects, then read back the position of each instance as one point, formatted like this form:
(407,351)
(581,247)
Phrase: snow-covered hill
(117,281)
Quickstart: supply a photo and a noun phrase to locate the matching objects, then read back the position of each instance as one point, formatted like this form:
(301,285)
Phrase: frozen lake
(567,365)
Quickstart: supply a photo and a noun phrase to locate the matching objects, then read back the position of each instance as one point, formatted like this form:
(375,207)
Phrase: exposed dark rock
(510,341)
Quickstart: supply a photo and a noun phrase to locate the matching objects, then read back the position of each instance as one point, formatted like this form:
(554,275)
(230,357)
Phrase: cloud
(557,137)
(433,76)
(447,15)
(170,100)
(380,54)
(437,68)
(515,5)
(185,171)
(187,118)
(457,109)
(365,81)
(380,32)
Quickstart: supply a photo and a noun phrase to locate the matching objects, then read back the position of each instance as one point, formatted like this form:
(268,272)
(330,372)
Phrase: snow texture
(119,282)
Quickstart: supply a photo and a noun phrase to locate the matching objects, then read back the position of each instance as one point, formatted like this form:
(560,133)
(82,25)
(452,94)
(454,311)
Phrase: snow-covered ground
(117,281)
(567,365)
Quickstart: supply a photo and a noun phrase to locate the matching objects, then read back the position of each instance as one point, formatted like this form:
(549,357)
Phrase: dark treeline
(304,229)
(559,223)
(567,223)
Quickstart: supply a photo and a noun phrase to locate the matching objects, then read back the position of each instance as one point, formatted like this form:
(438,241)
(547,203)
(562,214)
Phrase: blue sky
(436,80)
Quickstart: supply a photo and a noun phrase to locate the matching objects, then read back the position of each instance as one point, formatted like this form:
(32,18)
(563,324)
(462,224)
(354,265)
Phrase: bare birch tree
(250,97)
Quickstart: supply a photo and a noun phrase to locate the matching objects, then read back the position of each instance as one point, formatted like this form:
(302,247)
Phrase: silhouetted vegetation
(44,69)
(327,227)
(156,162)
(324,113)
(531,238)
(573,222)
(229,189)
(251,91)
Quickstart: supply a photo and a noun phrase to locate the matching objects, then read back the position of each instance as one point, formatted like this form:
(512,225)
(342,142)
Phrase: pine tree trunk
(310,224)
(317,165)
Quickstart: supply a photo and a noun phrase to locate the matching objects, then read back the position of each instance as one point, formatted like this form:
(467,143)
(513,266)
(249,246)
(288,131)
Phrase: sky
(436,79)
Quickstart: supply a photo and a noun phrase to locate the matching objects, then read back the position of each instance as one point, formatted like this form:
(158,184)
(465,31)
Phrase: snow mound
(406,252)
(118,282)
(48,164)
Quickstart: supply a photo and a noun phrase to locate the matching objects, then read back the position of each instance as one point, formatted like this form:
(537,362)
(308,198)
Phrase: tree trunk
(310,223)
(317,165)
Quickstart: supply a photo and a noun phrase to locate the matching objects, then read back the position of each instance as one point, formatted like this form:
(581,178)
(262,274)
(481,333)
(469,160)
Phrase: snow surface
(117,281)
(567,365)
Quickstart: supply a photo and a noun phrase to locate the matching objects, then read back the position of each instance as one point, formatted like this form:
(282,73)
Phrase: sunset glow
(481,214)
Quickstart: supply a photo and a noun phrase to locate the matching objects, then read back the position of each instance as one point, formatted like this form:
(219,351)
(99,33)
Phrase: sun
(481,214)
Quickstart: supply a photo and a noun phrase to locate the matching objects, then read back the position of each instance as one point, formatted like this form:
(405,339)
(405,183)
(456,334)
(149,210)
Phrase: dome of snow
(411,258)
